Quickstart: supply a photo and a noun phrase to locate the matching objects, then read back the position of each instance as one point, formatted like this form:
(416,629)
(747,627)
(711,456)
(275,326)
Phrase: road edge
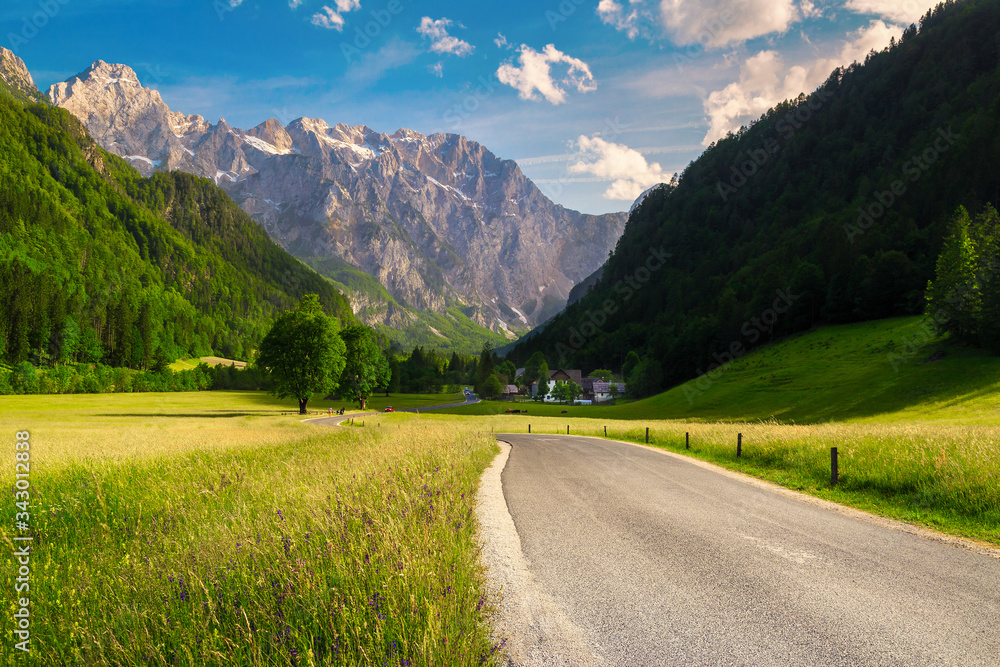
(535,630)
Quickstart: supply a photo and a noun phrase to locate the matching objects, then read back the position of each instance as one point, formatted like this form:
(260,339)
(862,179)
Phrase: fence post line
(605,431)
(529,428)
(739,445)
(567,429)
(834,468)
(647,435)
(687,440)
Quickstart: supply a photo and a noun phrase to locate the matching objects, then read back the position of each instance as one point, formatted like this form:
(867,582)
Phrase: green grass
(191,364)
(857,372)
(398,401)
(205,529)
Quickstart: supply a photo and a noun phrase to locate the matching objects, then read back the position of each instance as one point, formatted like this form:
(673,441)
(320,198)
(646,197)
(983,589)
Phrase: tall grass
(347,546)
(940,475)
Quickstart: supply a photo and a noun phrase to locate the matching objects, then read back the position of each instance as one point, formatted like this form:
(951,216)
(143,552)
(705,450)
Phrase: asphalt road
(658,561)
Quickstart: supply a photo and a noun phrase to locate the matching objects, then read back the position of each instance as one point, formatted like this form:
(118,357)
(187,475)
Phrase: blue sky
(595,99)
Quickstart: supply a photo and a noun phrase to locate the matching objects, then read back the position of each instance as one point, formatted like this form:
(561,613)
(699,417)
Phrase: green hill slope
(453,330)
(889,370)
(840,199)
(99,264)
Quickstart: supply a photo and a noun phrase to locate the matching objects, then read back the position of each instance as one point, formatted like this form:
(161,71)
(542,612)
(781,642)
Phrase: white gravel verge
(536,631)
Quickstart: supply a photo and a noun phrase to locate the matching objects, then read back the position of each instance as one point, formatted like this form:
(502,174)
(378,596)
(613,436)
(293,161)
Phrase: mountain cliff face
(442,223)
(17,77)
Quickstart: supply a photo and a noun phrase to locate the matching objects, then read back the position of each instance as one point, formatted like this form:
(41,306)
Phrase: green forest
(831,208)
(103,267)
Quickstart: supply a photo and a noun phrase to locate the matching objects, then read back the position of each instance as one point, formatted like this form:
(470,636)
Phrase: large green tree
(366,368)
(303,353)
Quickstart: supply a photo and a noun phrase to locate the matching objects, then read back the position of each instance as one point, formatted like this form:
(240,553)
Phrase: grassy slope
(869,371)
(457,331)
(190,364)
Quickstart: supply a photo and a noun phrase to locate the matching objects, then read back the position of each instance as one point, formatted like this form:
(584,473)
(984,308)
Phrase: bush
(24,380)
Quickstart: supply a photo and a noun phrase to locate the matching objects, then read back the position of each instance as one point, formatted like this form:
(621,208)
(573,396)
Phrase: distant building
(510,391)
(602,391)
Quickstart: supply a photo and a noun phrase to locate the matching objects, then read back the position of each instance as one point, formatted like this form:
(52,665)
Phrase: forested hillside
(100,265)
(831,208)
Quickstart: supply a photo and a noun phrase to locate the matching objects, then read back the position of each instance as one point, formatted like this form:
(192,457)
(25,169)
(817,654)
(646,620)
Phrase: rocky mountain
(443,224)
(17,77)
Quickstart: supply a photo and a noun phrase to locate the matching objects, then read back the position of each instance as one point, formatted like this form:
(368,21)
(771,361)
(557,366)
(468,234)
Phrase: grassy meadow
(186,364)
(206,529)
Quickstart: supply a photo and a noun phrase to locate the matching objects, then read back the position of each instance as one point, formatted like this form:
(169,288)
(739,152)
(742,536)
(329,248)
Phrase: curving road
(648,558)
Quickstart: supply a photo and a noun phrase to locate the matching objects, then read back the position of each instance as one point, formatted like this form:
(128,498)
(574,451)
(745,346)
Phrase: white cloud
(716,23)
(765,81)
(625,167)
(295,4)
(502,42)
(332,19)
(631,22)
(897,11)
(441,41)
(437,69)
(535,74)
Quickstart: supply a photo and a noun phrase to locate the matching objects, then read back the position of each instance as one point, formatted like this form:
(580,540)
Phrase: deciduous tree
(303,353)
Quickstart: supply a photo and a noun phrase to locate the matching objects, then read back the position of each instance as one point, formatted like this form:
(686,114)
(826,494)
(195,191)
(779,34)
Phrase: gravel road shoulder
(536,631)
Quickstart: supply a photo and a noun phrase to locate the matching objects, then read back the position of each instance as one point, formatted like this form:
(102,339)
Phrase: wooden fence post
(739,445)
(834,468)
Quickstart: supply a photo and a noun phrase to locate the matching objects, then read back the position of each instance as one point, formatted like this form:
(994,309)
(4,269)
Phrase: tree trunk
(363,402)
(302,406)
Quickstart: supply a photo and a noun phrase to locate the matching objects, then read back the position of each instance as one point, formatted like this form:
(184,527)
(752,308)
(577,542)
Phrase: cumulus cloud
(333,19)
(765,81)
(294,4)
(441,41)
(437,69)
(627,169)
(897,11)
(502,42)
(630,21)
(716,23)
(535,74)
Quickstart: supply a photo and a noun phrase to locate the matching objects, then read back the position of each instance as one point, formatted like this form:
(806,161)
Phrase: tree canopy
(303,353)
(366,368)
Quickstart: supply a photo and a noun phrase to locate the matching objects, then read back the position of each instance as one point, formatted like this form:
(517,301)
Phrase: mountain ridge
(444,225)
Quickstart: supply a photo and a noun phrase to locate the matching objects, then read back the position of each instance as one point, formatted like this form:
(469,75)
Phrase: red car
(389,409)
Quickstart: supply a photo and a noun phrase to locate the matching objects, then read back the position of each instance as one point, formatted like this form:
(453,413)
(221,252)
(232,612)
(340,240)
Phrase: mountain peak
(106,74)
(15,74)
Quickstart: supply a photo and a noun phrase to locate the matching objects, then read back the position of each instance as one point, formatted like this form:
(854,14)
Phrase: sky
(596,100)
